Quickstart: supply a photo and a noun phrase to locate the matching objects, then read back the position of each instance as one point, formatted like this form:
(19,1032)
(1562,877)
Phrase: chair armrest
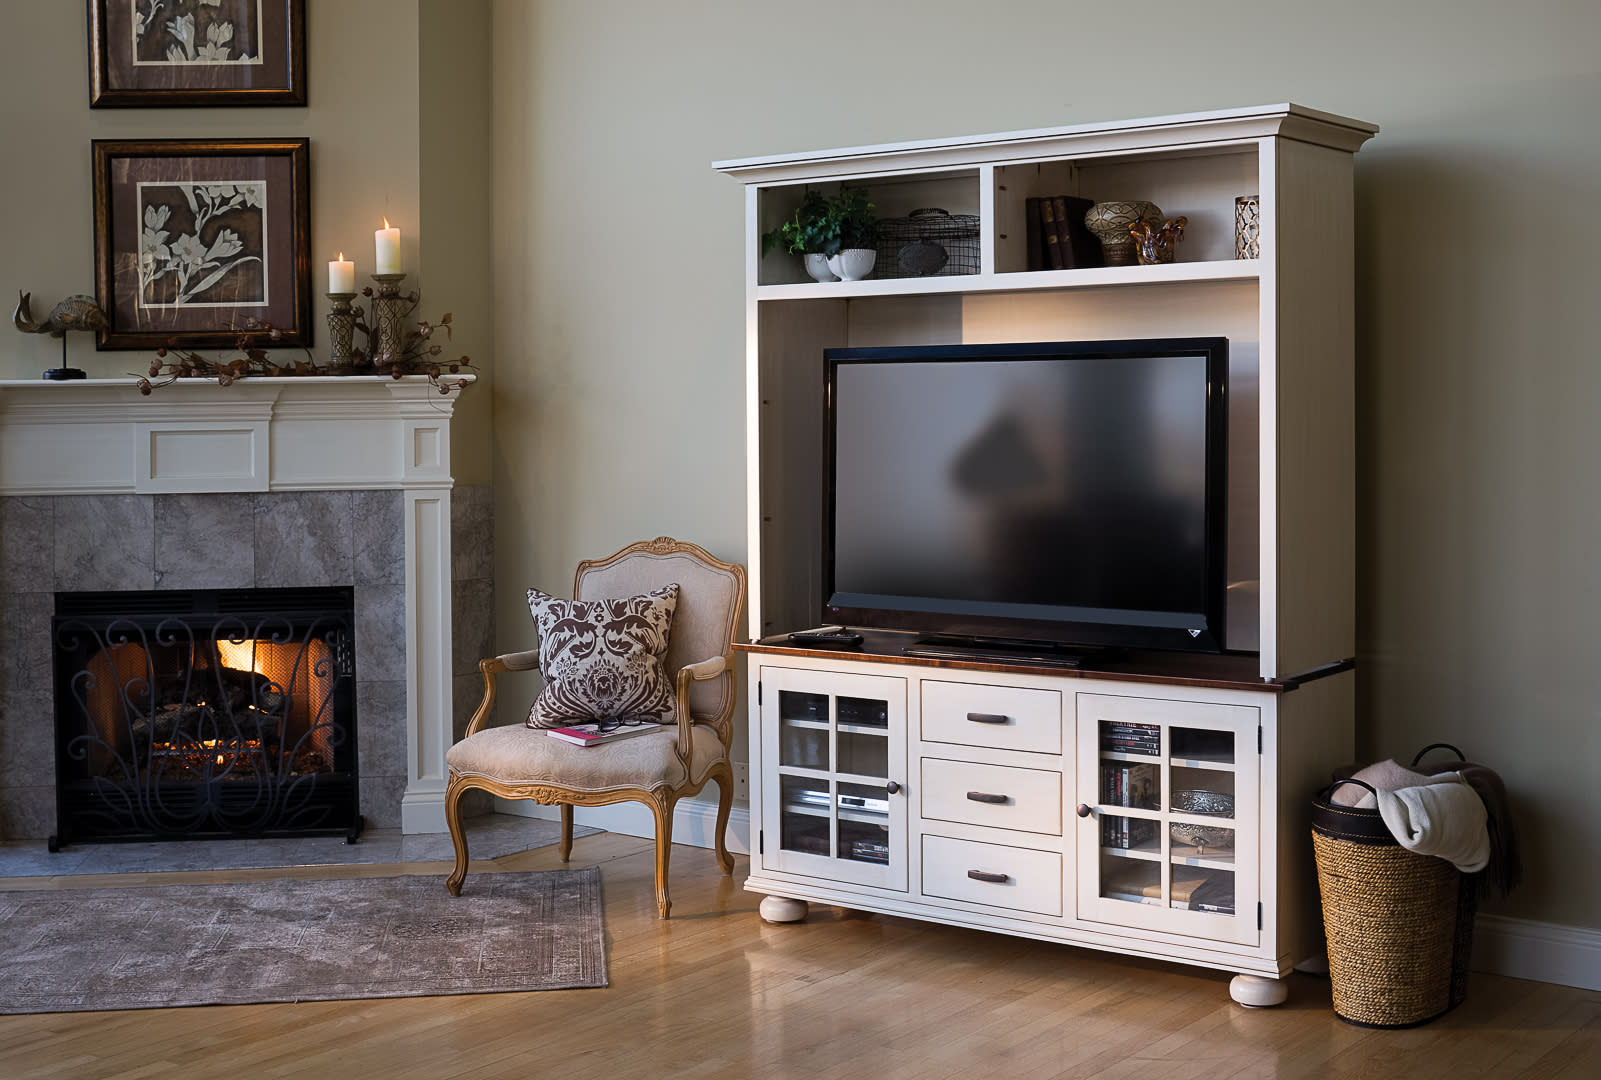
(492,666)
(705,669)
(512,661)
(699,671)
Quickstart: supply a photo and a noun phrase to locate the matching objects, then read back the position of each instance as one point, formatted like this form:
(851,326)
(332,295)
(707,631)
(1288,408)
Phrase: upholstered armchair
(521,762)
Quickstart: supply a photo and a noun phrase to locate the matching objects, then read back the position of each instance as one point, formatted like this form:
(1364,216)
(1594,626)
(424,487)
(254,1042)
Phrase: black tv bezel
(1051,632)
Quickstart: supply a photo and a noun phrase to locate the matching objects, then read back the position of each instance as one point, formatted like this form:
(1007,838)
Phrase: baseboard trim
(422,811)
(1544,952)
(694,821)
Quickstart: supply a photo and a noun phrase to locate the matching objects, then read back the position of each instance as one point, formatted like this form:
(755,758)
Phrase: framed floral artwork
(197,52)
(200,242)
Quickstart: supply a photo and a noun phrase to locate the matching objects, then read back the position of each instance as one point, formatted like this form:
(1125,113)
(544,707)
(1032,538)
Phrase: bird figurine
(74,313)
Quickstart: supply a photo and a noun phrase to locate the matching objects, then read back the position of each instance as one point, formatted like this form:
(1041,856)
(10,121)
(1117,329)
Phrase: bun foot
(781,909)
(1257,992)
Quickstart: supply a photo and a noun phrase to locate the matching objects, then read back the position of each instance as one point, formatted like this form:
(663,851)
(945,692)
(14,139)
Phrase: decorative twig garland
(417,356)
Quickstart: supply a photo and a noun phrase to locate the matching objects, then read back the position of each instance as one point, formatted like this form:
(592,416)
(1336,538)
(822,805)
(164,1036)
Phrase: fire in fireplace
(205,714)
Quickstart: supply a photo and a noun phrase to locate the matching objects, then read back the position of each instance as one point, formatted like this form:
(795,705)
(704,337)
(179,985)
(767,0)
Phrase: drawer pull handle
(988,718)
(993,879)
(986,797)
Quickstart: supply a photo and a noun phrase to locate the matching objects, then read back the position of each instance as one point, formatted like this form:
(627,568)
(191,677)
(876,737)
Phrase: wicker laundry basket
(1399,924)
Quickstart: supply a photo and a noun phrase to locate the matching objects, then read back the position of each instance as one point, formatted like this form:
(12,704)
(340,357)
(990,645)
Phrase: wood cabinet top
(1236,671)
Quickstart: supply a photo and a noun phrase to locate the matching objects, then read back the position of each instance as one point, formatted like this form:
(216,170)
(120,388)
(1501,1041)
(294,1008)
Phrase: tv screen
(1067,492)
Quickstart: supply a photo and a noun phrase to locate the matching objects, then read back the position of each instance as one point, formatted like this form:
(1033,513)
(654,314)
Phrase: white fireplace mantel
(101,436)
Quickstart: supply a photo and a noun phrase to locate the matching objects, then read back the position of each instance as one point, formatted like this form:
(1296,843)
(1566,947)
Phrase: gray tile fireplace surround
(290,539)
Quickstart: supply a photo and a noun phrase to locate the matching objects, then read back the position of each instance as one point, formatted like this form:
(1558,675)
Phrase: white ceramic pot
(853,264)
(817,267)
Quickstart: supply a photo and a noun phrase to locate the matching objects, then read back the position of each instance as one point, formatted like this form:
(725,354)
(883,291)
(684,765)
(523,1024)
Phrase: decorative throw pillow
(602,659)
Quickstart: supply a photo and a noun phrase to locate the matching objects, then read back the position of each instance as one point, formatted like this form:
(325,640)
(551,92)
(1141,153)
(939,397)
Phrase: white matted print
(203,244)
(196,32)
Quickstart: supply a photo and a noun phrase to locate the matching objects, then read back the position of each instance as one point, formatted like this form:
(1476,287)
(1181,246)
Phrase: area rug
(488,837)
(129,947)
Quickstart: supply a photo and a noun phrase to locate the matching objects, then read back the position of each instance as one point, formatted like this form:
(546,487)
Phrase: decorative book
(592,735)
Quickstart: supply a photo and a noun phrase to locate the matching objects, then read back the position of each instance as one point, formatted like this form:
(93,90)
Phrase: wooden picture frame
(154,53)
(197,240)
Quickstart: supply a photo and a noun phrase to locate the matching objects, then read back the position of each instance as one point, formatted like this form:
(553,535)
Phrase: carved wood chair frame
(660,800)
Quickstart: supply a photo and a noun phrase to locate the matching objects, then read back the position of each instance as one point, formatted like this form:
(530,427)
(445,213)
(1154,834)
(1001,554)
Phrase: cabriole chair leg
(458,836)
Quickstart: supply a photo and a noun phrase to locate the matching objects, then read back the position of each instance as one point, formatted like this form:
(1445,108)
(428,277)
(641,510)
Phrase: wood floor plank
(715,993)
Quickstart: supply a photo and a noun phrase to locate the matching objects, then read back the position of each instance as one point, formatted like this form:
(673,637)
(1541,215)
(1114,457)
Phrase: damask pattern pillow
(602,659)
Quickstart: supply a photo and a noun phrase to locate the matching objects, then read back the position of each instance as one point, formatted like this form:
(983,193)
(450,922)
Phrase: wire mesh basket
(927,243)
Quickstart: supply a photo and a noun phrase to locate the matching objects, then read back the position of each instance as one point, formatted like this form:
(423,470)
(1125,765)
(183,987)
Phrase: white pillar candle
(387,241)
(341,275)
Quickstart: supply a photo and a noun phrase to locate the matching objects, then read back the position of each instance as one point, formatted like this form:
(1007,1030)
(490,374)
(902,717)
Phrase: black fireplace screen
(197,715)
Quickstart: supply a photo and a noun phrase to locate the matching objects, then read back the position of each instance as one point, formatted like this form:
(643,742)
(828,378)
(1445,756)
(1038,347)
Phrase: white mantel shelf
(266,434)
(305,433)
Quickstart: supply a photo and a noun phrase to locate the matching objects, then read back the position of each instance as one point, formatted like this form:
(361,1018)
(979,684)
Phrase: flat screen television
(1013,498)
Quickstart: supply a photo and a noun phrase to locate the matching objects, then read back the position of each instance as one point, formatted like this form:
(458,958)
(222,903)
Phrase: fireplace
(203,714)
(271,483)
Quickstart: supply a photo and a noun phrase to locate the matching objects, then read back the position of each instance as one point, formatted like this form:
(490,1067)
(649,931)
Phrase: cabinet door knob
(1084,810)
(892,787)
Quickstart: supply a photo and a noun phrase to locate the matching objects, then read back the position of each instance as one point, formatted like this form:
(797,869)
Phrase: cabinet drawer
(993,874)
(1004,717)
(1029,800)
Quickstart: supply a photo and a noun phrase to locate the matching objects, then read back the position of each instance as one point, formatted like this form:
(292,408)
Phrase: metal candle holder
(388,319)
(341,326)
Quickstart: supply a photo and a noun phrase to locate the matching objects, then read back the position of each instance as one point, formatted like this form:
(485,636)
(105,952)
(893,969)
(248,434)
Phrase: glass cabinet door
(1168,815)
(834,756)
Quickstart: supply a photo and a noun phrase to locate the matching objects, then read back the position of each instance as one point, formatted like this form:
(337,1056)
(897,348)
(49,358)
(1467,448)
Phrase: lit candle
(341,275)
(388,244)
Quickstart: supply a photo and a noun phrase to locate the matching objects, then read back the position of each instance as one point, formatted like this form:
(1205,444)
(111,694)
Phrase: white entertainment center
(1155,805)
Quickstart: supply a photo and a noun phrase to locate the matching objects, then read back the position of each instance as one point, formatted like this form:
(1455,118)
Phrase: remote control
(839,637)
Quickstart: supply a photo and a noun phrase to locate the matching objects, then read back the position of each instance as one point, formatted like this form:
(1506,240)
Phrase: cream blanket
(1447,820)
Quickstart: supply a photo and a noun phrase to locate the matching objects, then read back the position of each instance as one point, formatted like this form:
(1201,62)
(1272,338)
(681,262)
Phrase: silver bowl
(1201,837)
(1218,803)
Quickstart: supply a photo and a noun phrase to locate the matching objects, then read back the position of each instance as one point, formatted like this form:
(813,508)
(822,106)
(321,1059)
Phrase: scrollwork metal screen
(205,714)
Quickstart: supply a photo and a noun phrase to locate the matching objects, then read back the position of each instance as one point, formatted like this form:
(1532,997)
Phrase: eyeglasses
(613,725)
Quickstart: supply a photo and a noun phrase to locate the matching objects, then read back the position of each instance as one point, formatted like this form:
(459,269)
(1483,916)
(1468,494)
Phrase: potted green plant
(807,232)
(854,236)
(831,235)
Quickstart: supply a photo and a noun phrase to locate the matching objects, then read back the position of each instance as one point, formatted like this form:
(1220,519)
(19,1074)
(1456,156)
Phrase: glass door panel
(803,822)
(1169,824)
(803,741)
(837,742)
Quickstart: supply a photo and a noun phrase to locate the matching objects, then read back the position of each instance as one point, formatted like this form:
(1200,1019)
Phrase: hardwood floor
(715,993)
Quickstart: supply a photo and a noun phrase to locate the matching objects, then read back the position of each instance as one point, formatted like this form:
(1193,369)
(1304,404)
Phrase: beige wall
(618,276)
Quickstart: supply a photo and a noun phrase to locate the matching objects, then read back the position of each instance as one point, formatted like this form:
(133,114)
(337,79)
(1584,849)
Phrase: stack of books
(1126,832)
(1192,889)
(1130,785)
(1121,737)
(1058,239)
